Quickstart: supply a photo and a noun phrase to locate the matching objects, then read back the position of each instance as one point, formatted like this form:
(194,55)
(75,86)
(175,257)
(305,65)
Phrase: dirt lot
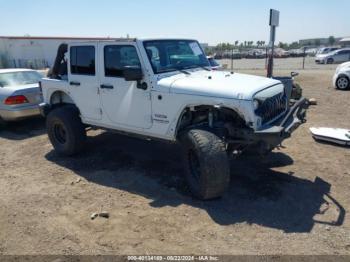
(294,201)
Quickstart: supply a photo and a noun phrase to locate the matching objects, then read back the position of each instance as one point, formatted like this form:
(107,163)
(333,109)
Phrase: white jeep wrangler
(165,89)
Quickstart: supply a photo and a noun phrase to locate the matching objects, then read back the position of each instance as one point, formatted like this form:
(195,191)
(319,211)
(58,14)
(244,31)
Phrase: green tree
(331,40)
(294,45)
(283,45)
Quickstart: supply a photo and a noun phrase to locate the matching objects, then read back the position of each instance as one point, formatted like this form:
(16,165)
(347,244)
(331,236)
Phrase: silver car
(20,94)
(337,56)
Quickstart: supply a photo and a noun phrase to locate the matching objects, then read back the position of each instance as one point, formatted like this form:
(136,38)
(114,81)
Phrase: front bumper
(272,136)
(19,113)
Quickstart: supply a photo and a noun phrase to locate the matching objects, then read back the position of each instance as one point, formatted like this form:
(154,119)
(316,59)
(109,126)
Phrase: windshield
(172,55)
(19,78)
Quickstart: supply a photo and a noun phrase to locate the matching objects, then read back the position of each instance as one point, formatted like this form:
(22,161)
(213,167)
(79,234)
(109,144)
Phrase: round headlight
(256,104)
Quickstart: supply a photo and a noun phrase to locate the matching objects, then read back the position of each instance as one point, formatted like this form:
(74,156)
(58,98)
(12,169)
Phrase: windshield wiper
(173,70)
(205,68)
(183,71)
(196,66)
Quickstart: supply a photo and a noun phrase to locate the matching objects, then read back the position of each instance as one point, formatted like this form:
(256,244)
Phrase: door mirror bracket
(142,85)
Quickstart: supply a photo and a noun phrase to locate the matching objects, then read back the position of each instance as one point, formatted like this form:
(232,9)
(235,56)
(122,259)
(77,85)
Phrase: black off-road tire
(207,169)
(65,130)
(2,123)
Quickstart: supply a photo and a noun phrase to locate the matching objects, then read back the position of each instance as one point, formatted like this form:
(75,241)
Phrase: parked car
(311,51)
(341,78)
(228,54)
(326,50)
(337,56)
(20,94)
(163,89)
(256,53)
(279,53)
(297,52)
(213,63)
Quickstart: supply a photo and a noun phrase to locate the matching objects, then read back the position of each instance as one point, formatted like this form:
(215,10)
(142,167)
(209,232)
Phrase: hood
(345,66)
(220,84)
(322,55)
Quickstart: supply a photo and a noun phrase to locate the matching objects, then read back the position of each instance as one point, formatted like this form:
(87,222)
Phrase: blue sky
(210,21)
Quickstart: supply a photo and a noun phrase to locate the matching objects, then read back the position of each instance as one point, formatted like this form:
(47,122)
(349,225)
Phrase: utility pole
(274,22)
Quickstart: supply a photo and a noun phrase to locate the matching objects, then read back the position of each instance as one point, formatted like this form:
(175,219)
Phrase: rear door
(83,79)
(342,56)
(122,101)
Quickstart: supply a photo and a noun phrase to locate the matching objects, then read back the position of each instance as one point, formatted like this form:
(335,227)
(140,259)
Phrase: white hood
(219,84)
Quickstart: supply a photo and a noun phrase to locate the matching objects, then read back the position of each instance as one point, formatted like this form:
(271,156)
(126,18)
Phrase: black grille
(272,107)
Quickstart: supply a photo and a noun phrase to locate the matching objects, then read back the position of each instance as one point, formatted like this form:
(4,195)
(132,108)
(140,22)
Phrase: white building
(345,42)
(36,52)
(33,52)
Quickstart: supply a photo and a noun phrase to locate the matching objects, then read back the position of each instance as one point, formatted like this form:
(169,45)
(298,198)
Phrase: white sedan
(20,94)
(341,78)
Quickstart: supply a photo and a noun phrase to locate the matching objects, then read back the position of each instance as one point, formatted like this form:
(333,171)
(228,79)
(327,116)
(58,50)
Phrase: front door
(83,79)
(122,101)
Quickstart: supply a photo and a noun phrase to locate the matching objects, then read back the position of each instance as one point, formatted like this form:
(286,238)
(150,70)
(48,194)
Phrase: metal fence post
(304,55)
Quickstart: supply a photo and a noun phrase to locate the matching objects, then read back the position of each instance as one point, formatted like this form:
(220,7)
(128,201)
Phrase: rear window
(82,60)
(19,78)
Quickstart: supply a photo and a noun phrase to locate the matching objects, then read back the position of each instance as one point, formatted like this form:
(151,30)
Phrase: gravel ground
(294,201)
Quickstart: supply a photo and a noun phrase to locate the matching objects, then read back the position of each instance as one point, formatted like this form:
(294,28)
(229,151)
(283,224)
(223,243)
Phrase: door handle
(74,83)
(106,86)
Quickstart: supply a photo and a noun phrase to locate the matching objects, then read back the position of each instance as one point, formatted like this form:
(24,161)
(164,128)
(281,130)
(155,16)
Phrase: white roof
(346,39)
(13,70)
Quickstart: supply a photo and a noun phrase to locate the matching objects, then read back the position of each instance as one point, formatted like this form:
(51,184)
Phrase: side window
(117,57)
(82,60)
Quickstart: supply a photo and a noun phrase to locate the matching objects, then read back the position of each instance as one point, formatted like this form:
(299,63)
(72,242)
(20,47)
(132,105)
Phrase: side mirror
(133,74)
(294,74)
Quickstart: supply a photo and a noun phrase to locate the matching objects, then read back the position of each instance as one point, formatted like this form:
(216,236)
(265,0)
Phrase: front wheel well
(208,116)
